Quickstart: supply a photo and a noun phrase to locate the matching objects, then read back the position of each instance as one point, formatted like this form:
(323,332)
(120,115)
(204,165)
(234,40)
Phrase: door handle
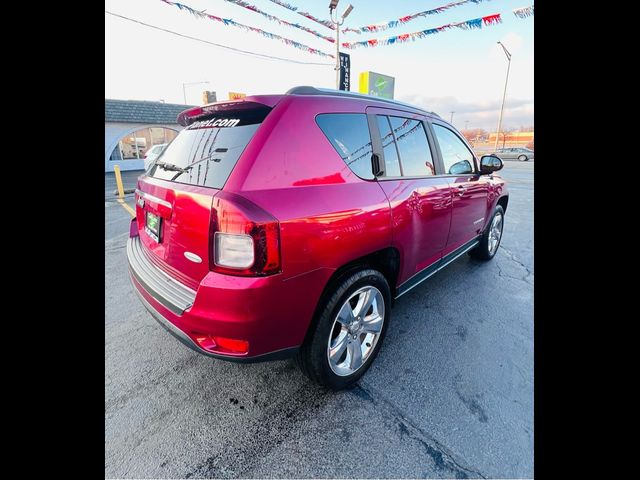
(461,189)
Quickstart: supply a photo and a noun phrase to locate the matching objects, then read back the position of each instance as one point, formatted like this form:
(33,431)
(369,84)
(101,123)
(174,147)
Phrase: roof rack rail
(308,90)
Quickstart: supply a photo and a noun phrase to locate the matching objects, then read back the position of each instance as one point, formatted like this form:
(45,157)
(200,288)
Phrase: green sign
(376,84)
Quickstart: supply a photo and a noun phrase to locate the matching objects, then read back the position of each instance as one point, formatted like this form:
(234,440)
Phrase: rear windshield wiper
(171,167)
(208,157)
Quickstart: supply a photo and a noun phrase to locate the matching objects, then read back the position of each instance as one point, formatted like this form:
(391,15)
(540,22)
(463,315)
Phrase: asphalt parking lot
(449,396)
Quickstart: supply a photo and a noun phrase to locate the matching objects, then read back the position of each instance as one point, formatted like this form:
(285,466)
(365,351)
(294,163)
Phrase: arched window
(135,145)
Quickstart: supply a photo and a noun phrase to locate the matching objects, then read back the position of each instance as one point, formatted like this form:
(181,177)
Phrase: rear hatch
(175,196)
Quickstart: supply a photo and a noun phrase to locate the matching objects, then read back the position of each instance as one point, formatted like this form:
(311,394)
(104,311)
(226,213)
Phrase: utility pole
(333,4)
(451,121)
(504,95)
(184,90)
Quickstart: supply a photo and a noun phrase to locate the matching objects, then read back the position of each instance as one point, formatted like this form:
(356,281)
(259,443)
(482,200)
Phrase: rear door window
(205,152)
(349,135)
(413,146)
(405,147)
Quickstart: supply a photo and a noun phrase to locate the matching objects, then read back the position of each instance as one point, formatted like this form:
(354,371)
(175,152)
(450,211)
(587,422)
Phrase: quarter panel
(328,226)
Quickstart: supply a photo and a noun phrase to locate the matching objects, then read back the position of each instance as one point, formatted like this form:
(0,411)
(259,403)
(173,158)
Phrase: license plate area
(153,226)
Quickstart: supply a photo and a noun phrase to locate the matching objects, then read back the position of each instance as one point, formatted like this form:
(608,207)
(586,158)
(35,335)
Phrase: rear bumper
(187,341)
(271,313)
(166,290)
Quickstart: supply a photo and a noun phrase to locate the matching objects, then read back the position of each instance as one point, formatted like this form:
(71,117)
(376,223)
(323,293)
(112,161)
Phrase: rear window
(349,135)
(205,152)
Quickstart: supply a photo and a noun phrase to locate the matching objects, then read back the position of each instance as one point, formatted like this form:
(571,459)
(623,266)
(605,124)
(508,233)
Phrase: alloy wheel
(356,330)
(495,233)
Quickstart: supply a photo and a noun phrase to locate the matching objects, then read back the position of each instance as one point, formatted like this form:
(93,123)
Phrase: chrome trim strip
(168,291)
(455,257)
(152,198)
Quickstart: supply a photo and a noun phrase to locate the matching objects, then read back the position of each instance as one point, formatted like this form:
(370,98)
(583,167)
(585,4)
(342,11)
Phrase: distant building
(512,139)
(132,127)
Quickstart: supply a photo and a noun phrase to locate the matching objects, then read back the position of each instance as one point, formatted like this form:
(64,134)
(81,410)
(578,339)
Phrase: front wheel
(490,239)
(351,324)
(523,158)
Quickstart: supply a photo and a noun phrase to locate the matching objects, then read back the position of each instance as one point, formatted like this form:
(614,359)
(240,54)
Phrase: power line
(246,52)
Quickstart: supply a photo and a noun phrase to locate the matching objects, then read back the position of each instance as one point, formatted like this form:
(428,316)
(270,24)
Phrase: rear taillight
(246,239)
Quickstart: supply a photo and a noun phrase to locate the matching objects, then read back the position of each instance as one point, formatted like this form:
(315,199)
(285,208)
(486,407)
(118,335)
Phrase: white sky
(457,70)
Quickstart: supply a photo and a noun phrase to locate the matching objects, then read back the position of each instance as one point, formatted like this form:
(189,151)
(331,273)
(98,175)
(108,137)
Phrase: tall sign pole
(338,56)
(504,95)
(337,22)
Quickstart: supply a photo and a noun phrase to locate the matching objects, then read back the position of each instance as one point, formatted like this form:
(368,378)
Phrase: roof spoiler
(192,114)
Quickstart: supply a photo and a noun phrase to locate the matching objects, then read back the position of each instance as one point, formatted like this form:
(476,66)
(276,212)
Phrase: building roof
(142,111)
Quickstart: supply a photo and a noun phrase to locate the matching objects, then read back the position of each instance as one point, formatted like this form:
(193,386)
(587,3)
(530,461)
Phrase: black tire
(312,356)
(523,158)
(482,252)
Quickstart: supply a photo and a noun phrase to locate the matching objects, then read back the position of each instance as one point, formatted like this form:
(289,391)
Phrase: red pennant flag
(491,19)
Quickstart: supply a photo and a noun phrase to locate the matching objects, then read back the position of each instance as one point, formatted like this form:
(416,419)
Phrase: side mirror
(490,163)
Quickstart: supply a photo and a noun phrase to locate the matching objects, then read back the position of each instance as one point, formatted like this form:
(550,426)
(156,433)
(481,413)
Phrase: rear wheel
(490,239)
(523,158)
(348,333)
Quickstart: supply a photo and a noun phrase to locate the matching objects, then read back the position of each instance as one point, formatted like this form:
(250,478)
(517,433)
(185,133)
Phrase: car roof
(370,99)
(272,100)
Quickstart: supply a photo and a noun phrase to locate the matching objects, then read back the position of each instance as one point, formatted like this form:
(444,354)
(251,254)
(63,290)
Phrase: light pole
(504,95)
(451,120)
(333,4)
(184,91)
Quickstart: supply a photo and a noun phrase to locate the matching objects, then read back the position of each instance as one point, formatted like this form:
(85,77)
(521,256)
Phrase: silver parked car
(522,154)
(153,153)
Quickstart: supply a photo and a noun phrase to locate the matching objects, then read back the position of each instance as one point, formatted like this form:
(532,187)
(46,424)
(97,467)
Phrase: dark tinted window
(457,158)
(349,135)
(415,154)
(205,152)
(389,147)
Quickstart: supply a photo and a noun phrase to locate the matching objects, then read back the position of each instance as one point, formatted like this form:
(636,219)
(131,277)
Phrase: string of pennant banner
(367,28)
(264,33)
(273,18)
(379,27)
(293,8)
(476,23)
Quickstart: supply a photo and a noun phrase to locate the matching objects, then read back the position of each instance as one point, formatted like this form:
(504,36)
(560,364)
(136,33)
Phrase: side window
(457,158)
(349,135)
(388,147)
(415,154)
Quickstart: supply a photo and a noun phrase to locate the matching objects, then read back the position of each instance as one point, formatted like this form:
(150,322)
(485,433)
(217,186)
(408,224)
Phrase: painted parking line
(127,207)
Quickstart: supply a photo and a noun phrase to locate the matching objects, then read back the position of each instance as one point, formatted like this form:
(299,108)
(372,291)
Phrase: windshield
(205,152)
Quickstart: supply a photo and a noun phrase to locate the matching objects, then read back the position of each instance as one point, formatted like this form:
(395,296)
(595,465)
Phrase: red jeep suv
(286,225)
